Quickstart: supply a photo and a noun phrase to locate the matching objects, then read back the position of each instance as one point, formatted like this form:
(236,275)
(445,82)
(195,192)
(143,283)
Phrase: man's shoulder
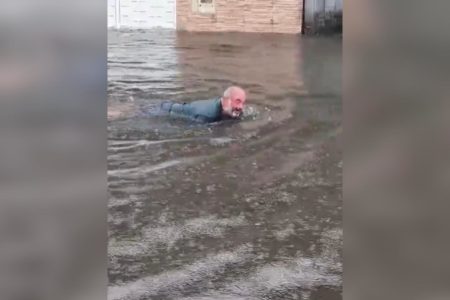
(206,101)
(208,104)
(209,109)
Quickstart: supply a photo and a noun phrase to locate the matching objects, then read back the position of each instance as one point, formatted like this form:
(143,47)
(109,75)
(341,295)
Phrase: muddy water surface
(234,210)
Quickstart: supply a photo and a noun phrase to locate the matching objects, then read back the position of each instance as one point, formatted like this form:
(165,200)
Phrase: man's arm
(201,119)
(187,112)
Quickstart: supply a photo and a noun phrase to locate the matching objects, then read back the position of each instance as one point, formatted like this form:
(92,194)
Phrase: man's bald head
(234,92)
(233,101)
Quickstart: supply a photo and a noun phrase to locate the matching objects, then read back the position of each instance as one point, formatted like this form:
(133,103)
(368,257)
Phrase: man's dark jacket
(205,111)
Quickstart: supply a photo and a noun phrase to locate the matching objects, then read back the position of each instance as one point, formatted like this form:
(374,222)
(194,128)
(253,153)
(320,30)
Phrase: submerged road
(246,210)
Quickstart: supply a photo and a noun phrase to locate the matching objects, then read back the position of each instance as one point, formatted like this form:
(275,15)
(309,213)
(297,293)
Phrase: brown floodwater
(232,210)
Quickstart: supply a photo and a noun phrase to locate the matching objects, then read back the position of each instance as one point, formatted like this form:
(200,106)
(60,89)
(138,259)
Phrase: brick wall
(282,16)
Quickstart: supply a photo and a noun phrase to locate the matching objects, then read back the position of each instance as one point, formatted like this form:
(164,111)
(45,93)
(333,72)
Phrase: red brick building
(281,16)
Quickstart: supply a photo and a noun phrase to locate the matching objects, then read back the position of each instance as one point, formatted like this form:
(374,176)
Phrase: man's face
(234,105)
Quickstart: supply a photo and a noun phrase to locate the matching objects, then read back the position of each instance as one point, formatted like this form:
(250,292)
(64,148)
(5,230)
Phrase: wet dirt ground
(233,210)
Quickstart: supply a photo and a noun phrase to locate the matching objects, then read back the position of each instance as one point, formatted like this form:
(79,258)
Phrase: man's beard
(236,113)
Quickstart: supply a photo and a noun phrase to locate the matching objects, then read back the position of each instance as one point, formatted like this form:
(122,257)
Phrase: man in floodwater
(229,106)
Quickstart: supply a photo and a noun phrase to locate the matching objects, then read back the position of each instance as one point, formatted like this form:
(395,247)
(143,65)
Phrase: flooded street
(232,210)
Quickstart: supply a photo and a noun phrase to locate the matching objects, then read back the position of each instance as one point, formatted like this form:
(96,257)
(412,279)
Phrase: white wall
(142,13)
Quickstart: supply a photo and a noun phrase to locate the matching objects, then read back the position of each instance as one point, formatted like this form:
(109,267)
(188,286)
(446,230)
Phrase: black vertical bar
(303,16)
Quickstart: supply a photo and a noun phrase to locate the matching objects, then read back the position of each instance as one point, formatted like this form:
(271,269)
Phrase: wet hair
(229,91)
